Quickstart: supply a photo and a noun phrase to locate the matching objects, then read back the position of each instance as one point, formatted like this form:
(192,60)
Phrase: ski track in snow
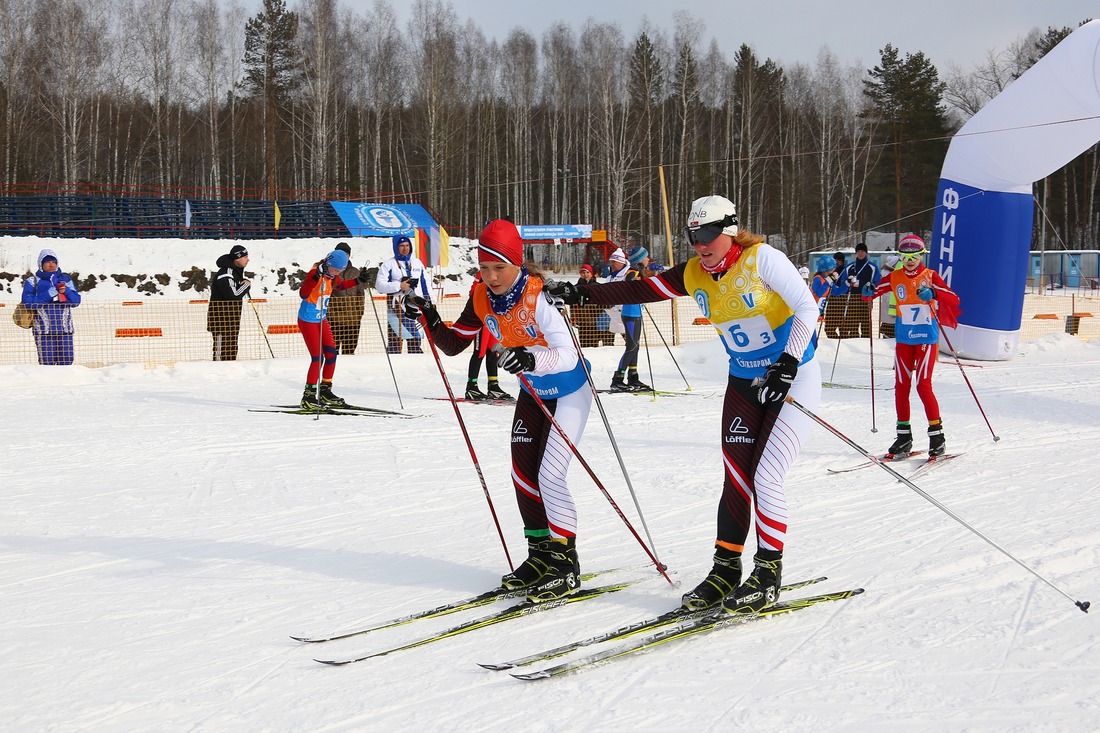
(160,543)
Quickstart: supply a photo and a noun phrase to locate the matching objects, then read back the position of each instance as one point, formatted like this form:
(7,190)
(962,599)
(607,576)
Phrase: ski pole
(549,416)
(1083,605)
(320,363)
(871,349)
(821,308)
(839,338)
(385,349)
(663,341)
(466,435)
(263,330)
(611,435)
(996,437)
(648,360)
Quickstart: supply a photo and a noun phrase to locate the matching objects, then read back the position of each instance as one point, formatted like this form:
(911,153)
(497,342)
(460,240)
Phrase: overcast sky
(790,31)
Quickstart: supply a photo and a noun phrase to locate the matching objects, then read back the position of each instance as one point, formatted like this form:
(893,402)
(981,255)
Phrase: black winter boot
(762,588)
(328,397)
(310,400)
(719,583)
(551,570)
(904,443)
(635,384)
(618,383)
(496,393)
(937,443)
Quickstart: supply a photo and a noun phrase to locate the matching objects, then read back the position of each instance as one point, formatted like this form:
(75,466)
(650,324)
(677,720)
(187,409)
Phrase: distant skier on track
(923,302)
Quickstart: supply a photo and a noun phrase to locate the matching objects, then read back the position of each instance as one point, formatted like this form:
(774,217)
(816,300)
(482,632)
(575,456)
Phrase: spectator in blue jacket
(857,274)
(52,295)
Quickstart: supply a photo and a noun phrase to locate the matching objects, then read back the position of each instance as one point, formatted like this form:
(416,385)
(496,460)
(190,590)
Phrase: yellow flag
(278,216)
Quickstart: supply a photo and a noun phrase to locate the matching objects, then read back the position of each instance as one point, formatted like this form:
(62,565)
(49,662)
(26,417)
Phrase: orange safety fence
(163,331)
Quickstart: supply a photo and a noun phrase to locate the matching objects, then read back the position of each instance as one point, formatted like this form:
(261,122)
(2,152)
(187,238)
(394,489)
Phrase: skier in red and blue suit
(316,290)
(925,302)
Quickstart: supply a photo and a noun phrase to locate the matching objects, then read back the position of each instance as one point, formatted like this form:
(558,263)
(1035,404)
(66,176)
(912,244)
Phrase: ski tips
(334,662)
(496,667)
(542,674)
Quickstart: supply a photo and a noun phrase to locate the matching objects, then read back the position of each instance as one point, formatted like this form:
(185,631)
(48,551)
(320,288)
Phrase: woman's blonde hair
(534,269)
(745,238)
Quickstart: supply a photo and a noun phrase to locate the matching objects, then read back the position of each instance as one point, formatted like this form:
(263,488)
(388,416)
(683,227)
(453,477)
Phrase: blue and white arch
(981,234)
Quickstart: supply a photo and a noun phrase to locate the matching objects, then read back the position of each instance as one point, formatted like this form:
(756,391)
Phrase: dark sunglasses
(707,233)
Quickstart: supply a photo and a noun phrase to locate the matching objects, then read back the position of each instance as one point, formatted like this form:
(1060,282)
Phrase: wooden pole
(671,260)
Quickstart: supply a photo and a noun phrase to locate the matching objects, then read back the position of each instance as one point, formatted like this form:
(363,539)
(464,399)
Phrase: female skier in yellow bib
(765,315)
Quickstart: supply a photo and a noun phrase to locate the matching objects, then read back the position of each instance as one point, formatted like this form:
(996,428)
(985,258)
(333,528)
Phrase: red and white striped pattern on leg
(571,413)
(766,493)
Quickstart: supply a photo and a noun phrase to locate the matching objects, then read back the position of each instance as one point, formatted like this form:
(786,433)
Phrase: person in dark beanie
(858,273)
(227,291)
(345,311)
(584,317)
(838,292)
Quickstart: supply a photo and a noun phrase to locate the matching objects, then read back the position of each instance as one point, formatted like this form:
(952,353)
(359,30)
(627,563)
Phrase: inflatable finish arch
(981,233)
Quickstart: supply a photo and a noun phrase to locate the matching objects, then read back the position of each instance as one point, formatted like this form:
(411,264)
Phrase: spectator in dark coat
(858,273)
(227,291)
(345,313)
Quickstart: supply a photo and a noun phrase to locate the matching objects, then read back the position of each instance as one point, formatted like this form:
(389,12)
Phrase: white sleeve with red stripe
(780,274)
(560,353)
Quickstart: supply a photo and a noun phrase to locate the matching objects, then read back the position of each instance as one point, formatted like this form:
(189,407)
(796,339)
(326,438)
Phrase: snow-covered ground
(160,543)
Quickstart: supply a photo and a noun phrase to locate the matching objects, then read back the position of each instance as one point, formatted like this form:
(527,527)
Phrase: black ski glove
(776,382)
(364,276)
(569,293)
(516,360)
(415,306)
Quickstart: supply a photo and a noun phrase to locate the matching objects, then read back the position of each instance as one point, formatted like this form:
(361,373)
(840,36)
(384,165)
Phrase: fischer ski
(888,458)
(481,599)
(330,411)
(931,461)
(658,392)
(519,610)
(716,620)
(346,408)
(475,402)
(671,617)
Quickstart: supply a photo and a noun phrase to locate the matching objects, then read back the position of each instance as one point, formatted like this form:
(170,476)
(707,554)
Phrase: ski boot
(762,588)
(309,398)
(473,394)
(496,393)
(722,580)
(328,398)
(635,384)
(937,443)
(904,443)
(551,570)
(618,383)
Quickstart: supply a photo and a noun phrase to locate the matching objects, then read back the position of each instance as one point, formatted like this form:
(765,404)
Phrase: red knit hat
(499,241)
(587,267)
